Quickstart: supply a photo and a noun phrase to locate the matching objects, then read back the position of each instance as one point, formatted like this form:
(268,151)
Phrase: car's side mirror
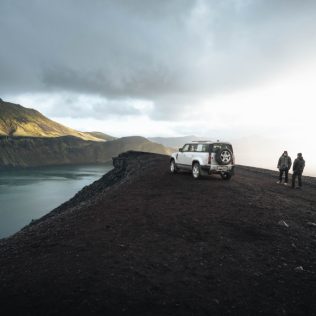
(180,149)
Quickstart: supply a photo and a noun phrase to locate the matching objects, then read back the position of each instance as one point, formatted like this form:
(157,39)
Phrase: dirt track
(141,241)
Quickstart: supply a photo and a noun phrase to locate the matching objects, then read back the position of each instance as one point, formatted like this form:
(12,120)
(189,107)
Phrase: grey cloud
(170,52)
(85,106)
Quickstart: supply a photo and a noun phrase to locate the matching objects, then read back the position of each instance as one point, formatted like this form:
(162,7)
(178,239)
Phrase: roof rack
(202,141)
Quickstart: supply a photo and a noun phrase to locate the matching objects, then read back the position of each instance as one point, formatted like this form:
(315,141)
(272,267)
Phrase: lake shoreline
(27,194)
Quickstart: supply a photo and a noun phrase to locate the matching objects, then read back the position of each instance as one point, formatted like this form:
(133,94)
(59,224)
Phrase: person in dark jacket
(298,168)
(284,165)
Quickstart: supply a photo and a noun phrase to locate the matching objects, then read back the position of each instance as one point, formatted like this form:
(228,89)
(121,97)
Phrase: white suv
(204,158)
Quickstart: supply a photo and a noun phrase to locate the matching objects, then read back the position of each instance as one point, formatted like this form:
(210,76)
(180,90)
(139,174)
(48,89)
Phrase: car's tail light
(209,159)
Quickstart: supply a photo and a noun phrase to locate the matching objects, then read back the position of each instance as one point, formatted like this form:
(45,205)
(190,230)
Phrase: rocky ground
(141,241)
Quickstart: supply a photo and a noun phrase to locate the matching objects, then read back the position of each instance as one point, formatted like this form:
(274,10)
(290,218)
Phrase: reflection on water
(31,193)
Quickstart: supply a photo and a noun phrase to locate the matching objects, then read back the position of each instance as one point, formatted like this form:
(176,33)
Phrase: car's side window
(185,147)
(192,147)
(201,148)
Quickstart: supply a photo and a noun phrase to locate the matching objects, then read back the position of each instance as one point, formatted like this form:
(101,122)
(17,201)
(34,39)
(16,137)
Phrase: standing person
(284,165)
(298,167)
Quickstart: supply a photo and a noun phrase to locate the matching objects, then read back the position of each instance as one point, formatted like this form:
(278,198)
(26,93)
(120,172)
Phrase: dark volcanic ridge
(141,241)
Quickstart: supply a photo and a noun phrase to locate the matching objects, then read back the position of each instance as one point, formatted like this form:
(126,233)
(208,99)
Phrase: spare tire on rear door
(224,156)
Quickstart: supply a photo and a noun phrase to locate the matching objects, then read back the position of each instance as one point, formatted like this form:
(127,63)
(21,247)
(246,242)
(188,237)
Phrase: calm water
(32,193)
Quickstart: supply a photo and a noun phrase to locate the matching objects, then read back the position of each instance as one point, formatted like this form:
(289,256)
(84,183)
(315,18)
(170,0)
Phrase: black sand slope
(141,241)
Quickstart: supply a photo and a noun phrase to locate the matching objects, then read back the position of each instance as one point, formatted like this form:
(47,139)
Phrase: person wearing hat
(298,167)
(284,165)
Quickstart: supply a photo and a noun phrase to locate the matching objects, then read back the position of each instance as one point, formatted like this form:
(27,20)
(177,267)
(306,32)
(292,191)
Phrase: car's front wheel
(196,170)
(173,167)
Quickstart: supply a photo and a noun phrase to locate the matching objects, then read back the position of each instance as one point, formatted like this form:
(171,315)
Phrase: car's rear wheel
(196,170)
(226,176)
(173,167)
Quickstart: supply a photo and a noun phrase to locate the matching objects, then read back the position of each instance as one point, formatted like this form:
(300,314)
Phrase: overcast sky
(218,68)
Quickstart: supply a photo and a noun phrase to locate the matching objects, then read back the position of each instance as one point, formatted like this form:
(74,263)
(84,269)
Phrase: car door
(188,155)
(181,155)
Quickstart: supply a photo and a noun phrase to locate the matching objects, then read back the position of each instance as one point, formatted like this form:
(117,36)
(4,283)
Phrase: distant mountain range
(100,135)
(176,142)
(44,151)
(29,139)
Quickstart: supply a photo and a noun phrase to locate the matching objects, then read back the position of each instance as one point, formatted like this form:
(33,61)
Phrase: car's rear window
(219,146)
